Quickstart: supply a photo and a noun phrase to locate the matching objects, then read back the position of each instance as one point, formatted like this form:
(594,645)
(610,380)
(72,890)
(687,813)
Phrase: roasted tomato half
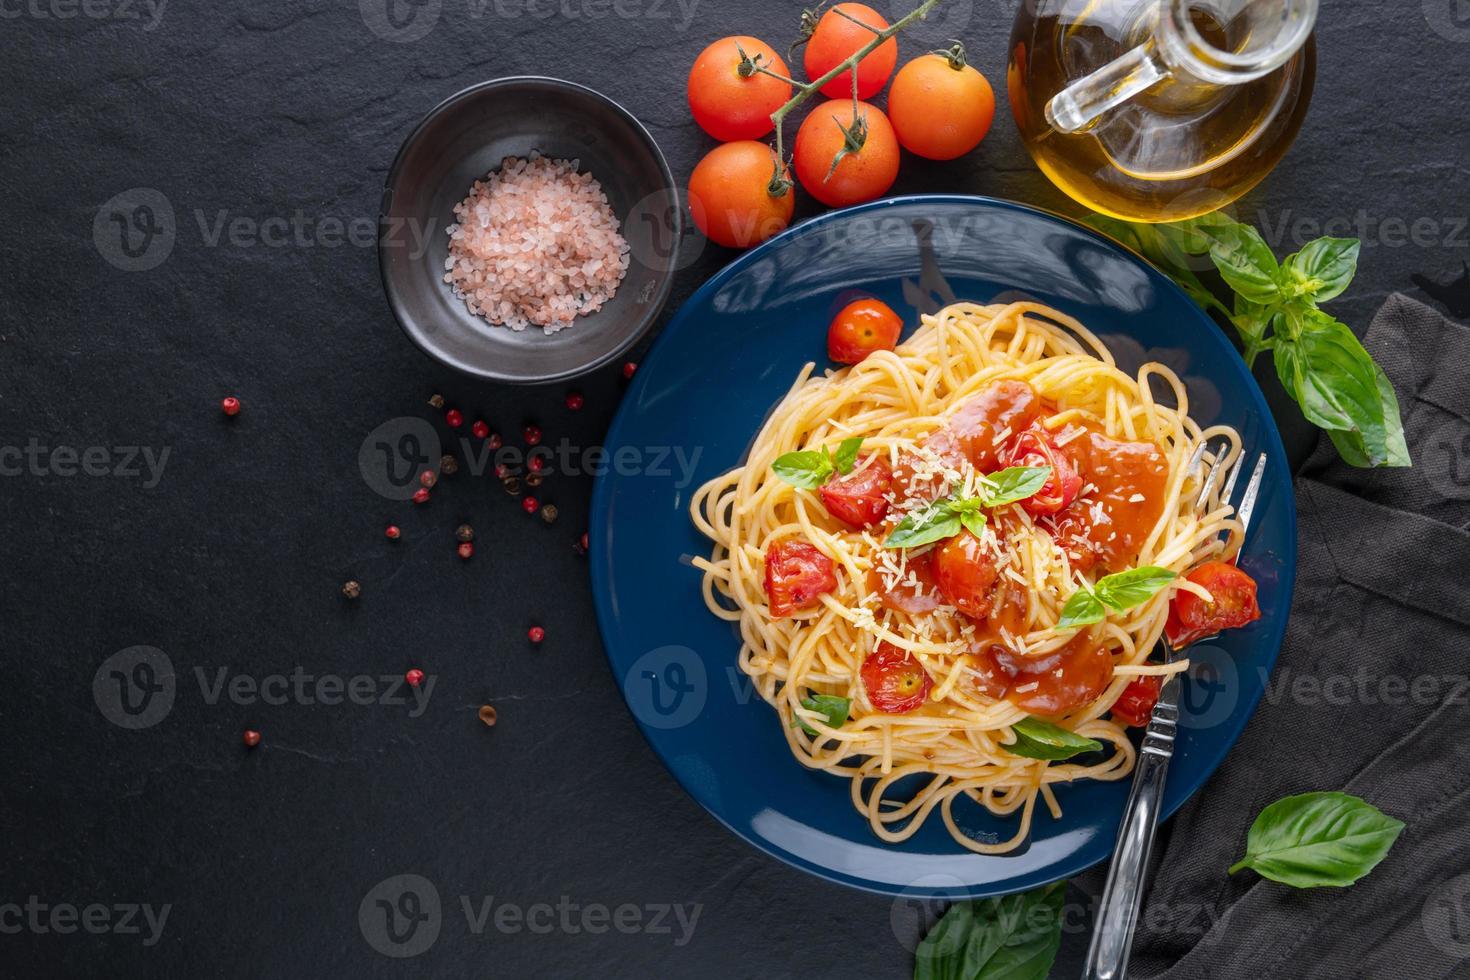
(860,328)
(1234,604)
(859,499)
(965,572)
(915,591)
(1035,447)
(1136,704)
(895,680)
(796,575)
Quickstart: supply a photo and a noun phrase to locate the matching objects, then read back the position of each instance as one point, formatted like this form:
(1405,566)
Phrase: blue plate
(696,403)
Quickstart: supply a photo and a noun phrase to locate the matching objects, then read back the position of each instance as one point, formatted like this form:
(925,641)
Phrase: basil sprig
(1118,592)
(810,468)
(1015,937)
(1037,739)
(1320,363)
(944,518)
(829,706)
(1318,839)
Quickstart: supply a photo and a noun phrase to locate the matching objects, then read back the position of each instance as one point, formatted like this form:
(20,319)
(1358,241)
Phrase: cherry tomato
(730,199)
(895,681)
(862,174)
(861,327)
(920,596)
(1192,618)
(730,107)
(1136,704)
(940,110)
(860,498)
(796,575)
(1005,405)
(1055,683)
(837,39)
(1034,447)
(964,572)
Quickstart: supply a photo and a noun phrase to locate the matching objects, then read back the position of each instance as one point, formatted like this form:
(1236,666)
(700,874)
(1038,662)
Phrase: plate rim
(599,510)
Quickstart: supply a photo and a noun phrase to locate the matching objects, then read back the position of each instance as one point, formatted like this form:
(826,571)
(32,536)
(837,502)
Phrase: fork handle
(1112,934)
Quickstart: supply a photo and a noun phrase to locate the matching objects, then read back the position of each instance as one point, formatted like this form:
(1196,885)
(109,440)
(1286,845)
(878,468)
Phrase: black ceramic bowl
(464,138)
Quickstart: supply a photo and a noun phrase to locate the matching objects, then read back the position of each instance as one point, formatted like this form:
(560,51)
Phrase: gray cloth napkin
(1370,696)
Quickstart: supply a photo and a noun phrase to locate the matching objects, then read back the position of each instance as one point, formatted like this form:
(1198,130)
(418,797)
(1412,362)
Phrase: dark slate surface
(284,117)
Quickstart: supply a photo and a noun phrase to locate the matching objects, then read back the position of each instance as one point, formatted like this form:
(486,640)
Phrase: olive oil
(1181,147)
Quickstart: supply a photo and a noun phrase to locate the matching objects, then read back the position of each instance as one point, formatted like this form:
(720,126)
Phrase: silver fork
(1112,935)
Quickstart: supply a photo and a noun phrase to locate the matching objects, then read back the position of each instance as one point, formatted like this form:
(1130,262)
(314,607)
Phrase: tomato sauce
(1107,525)
(1050,684)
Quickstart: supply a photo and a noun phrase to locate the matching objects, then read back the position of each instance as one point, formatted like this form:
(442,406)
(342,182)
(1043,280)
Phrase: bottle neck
(1267,33)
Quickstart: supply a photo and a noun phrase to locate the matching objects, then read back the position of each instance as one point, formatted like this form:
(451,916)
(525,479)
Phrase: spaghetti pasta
(911,407)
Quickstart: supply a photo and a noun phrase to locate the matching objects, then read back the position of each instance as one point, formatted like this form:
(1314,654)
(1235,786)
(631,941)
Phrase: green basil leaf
(1350,445)
(1015,937)
(973,521)
(830,706)
(846,456)
(1134,587)
(1245,262)
(1012,484)
(1324,267)
(1036,739)
(934,523)
(807,469)
(1337,385)
(1082,609)
(1318,839)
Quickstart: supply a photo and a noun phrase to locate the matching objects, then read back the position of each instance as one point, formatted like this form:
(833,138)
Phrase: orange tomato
(729,195)
(940,111)
(730,107)
(837,38)
(863,173)
(860,328)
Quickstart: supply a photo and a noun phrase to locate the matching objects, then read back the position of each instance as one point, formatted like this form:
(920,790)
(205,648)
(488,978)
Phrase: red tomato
(903,596)
(964,572)
(1234,593)
(1136,704)
(837,39)
(940,109)
(862,174)
(1055,683)
(861,327)
(730,196)
(895,681)
(730,107)
(796,574)
(860,498)
(1034,447)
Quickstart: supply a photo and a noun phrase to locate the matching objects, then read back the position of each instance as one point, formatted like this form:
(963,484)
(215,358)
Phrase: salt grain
(536,244)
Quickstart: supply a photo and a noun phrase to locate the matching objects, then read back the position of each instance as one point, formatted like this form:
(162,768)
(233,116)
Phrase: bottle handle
(1076,106)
